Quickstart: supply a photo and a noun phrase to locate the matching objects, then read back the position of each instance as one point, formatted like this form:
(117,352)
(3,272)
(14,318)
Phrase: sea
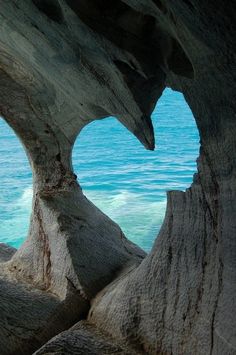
(115,171)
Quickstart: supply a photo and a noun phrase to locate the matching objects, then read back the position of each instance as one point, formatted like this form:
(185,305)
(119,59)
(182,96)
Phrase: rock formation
(64,63)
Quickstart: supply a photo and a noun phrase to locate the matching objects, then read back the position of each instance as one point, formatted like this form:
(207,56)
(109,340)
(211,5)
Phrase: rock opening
(15,188)
(129,183)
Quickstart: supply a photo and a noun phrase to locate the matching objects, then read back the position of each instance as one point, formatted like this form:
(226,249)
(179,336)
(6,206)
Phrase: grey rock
(6,252)
(66,63)
(30,317)
(84,338)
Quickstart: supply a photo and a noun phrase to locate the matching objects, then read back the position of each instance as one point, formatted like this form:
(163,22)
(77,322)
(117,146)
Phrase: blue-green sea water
(123,179)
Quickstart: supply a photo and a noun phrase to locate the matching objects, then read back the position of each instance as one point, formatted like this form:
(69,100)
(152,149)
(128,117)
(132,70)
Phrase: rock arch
(55,77)
(115,175)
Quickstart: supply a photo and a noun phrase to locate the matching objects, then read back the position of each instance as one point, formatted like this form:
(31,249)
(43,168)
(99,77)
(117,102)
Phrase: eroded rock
(30,317)
(84,338)
(64,63)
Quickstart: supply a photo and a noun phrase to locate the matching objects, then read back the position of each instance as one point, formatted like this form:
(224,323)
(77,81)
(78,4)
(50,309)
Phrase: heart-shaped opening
(129,183)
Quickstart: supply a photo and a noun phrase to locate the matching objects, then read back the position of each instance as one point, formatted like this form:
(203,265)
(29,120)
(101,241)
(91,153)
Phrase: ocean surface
(123,179)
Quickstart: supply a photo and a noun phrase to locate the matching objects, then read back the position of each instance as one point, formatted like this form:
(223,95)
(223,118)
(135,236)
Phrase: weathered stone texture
(64,63)
(84,338)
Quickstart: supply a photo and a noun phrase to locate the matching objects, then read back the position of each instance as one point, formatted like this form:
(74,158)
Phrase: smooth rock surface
(64,63)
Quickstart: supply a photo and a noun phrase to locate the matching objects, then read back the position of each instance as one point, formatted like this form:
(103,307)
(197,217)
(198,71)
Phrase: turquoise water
(126,181)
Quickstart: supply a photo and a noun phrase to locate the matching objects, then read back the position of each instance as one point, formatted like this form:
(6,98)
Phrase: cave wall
(64,63)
